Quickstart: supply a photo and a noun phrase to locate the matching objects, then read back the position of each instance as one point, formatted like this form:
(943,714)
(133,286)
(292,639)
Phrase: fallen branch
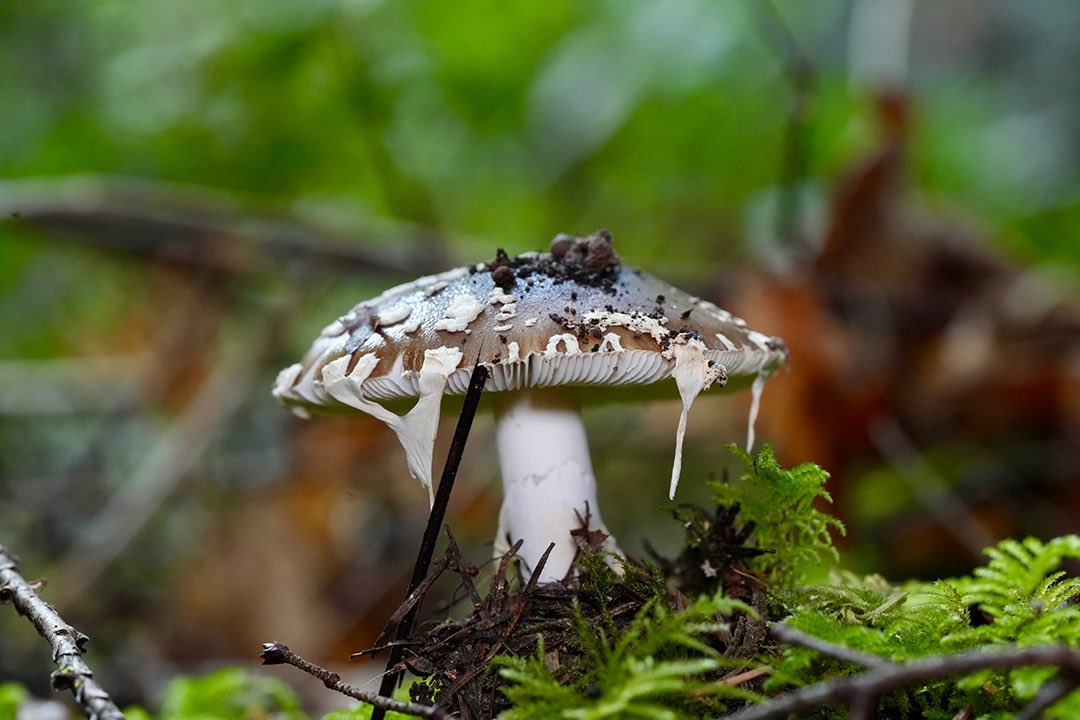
(68,644)
(275,653)
(206,229)
(860,692)
(790,636)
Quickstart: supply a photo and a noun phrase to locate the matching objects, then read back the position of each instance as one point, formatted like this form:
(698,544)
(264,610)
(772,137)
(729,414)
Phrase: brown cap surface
(572,316)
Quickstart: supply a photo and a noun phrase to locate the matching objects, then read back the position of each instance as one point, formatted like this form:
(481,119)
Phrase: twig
(496,597)
(490,609)
(746,676)
(391,634)
(734,680)
(435,520)
(463,570)
(861,691)
(790,636)
(523,601)
(275,653)
(964,713)
(67,643)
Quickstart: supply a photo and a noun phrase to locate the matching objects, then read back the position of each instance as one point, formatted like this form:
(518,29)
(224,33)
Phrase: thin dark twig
(497,593)
(391,633)
(67,643)
(862,690)
(523,601)
(435,521)
(463,569)
(790,636)
(275,653)
(490,610)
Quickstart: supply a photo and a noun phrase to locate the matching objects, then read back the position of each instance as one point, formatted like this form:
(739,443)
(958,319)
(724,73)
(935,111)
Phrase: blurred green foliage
(226,694)
(11,696)
(661,121)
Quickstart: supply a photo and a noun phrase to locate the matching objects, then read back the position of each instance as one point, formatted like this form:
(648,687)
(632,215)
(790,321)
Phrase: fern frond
(1020,574)
(649,669)
(645,690)
(855,600)
(781,503)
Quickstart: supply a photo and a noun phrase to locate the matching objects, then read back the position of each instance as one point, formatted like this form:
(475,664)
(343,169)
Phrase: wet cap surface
(573,316)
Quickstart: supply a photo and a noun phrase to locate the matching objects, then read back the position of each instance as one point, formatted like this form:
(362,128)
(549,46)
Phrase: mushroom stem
(548,482)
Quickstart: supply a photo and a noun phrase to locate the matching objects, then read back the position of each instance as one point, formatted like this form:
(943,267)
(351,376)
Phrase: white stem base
(548,482)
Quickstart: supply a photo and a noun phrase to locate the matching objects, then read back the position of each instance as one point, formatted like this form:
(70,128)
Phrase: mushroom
(541,323)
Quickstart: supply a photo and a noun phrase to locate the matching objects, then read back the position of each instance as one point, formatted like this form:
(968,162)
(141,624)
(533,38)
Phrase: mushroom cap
(572,316)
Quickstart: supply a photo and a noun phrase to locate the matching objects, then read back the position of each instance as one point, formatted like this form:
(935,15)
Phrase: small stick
(790,636)
(733,680)
(522,602)
(746,676)
(462,570)
(435,521)
(275,653)
(860,692)
(67,643)
(390,634)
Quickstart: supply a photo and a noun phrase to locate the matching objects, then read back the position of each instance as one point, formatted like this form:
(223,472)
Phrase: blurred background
(190,191)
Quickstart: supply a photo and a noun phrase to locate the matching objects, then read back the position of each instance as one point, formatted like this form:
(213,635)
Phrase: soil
(589,261)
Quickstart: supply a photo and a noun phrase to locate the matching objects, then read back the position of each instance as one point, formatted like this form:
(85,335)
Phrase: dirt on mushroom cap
(589,262)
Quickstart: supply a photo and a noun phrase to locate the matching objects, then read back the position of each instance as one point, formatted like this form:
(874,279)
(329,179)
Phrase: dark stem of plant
(784,633)
(431,532)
